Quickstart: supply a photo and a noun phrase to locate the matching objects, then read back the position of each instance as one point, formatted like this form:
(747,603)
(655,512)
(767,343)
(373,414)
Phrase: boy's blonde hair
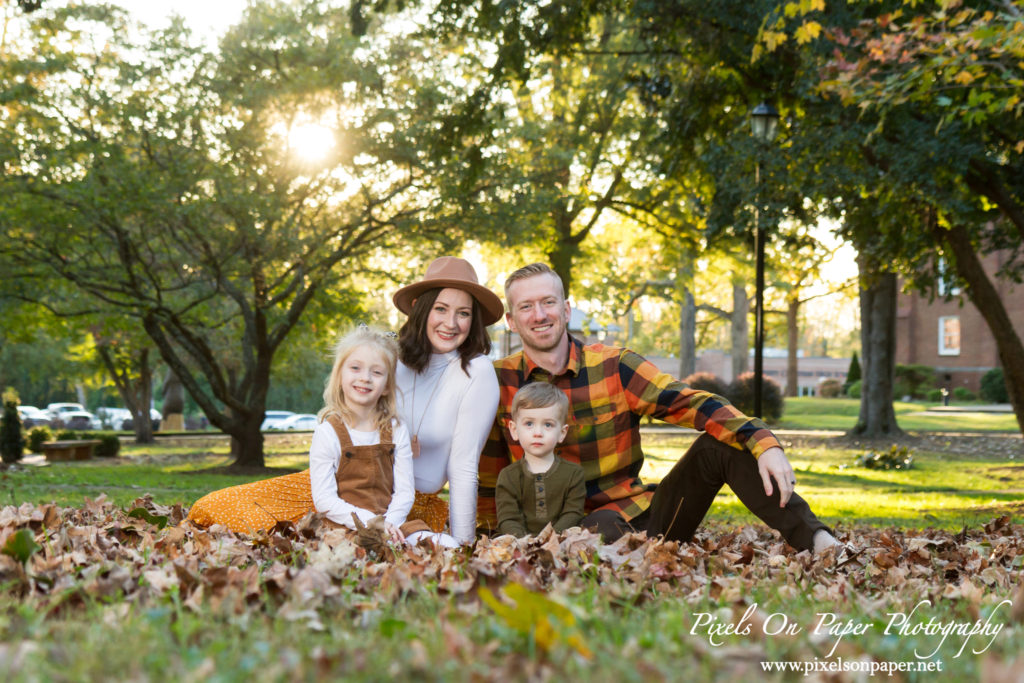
(541,395)
(334,394)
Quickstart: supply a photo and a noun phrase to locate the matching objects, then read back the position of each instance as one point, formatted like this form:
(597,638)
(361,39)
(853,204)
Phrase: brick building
(952,336)
(811,370)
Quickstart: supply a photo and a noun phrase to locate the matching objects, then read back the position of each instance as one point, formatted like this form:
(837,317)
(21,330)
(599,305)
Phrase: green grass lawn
(367,627)
(940,490)
(809,412)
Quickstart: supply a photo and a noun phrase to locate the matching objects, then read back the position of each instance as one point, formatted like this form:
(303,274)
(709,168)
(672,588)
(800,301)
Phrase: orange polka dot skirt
(432,509)
(257,506)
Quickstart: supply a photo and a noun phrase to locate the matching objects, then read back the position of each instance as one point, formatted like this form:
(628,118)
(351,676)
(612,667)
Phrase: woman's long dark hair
(414,347)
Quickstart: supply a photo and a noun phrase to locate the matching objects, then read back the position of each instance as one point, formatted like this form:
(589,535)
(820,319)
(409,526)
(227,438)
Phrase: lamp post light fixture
(764,122)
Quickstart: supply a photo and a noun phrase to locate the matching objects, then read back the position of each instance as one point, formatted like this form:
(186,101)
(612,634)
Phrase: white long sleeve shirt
(452,429)
(324,455)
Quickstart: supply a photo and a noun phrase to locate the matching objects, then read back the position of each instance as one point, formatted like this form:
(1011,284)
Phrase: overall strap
(346,441)
(341,430)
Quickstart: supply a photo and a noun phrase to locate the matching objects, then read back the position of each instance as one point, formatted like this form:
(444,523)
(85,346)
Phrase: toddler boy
(541,487)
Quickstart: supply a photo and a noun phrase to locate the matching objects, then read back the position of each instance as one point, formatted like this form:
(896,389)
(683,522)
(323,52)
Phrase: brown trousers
(685,495)
(366,474)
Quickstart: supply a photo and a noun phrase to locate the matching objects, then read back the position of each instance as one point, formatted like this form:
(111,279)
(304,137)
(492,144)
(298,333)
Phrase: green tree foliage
(12,444)
(913,380)
(937,84)
(741,394)
(706,381)
(853,373)
(993,386)
(36,437)
(567,147)
(965,57)
(36,358)
(166,185)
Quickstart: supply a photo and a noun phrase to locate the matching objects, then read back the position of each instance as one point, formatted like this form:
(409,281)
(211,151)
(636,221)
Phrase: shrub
(853,391)
(913,380)
(830,388)
(741,393)
(706,381)
(993,386)
(37,436)
(934,396)
(853,374)
(67,435)
(12,444)
(109,446)
(963,394)
(898,458)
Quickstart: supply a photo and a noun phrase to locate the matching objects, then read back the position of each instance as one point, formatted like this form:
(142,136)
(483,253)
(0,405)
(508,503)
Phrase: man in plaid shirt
(609,390)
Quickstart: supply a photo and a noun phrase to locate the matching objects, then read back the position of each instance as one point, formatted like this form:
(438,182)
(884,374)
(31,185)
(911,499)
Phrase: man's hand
(773,463)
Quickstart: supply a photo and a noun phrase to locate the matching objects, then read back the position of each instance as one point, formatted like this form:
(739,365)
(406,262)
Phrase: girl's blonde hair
(334,394)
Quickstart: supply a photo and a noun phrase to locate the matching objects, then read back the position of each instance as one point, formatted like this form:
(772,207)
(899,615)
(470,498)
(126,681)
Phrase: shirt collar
(572,368)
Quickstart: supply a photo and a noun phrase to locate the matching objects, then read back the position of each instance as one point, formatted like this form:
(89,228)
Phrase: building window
(949,335)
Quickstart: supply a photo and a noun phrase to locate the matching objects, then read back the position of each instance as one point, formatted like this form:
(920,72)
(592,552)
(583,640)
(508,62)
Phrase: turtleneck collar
(441,360)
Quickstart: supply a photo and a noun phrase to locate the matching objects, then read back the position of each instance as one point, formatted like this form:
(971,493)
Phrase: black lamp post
(764,121)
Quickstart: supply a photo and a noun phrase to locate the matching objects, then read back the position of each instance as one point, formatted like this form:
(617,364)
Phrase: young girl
(360,460)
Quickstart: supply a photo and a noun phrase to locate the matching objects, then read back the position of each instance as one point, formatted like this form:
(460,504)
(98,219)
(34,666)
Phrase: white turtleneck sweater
(452,429)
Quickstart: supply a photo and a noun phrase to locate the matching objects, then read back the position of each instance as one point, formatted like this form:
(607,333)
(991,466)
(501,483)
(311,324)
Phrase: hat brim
(491,309)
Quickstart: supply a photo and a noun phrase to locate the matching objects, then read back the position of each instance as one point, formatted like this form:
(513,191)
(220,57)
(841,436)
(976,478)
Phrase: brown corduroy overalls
(366,474)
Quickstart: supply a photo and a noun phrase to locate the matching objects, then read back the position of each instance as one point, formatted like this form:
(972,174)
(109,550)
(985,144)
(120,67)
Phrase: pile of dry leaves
(59,557)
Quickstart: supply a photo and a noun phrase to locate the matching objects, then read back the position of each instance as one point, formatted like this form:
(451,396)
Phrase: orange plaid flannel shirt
(610,390)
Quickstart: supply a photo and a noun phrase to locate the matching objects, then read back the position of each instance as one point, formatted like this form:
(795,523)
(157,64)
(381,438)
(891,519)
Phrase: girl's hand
(394,533)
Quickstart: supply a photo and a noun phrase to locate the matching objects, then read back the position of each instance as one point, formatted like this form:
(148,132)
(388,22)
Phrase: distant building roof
(578,321)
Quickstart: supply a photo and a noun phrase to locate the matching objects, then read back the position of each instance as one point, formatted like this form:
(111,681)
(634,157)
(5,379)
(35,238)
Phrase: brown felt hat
(457,273)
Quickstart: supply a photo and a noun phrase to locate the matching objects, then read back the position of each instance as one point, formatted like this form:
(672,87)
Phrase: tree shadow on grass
(248,471)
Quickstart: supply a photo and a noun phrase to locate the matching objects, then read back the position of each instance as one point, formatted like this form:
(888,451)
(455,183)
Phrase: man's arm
(649,391)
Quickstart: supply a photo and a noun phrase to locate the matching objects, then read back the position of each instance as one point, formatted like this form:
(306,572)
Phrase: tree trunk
(241,411)
(792,341)
(878,342)
(136,392)
(740,329)
(174,403)
(687,335)
(561,258)
(247,444)
(988,302)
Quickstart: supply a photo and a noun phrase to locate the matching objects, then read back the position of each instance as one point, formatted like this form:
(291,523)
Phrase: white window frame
(949,350)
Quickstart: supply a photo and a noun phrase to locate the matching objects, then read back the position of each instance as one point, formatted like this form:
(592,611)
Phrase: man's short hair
(541,395)
(528,272)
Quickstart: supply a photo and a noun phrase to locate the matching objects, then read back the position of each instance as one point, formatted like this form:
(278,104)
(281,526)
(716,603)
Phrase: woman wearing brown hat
(447,389)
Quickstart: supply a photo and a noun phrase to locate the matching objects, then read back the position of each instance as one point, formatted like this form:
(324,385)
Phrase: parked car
(112,418)
(128,424)
(271,418)
(55,409)
(33,417)
(79,419)
(295,423)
